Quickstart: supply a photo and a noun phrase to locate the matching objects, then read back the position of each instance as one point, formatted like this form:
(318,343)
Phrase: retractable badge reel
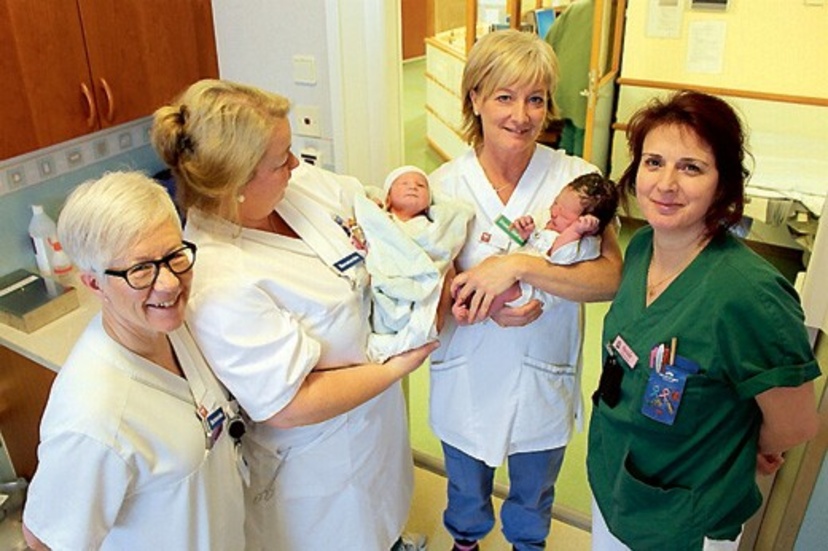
(236,429)
(609,386)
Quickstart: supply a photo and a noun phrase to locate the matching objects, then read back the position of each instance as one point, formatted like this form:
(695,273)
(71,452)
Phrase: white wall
(355,45)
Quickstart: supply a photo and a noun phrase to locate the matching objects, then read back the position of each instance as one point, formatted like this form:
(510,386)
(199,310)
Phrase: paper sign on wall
(705,47)
(664,19)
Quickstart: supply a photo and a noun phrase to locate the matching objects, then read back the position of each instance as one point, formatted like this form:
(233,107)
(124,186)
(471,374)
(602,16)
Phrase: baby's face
(409,195)
(565,210)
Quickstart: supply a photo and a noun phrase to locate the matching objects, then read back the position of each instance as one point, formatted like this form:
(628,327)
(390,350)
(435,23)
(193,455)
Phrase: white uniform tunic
(498,391)
(124,462)
(267,309)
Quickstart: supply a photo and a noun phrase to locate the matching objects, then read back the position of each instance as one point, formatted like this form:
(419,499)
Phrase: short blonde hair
(104,218)
(501,59)
(212,138)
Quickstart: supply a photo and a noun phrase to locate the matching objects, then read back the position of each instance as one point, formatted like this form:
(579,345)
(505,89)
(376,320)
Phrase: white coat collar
(491,206)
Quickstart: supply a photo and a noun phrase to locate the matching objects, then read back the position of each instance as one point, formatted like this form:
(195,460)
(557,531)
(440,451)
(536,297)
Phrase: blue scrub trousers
(526,515)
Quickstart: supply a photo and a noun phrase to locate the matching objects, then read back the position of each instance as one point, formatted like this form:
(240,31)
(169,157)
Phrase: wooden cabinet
(71,67)
(445,60)
(24,389)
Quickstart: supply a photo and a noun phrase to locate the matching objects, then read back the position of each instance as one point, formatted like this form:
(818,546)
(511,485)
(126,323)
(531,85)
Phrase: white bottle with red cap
(51,259)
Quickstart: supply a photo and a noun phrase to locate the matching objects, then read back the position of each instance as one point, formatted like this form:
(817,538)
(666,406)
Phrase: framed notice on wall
(708,4)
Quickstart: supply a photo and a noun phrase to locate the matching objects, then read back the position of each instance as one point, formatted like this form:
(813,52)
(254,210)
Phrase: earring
(240,198)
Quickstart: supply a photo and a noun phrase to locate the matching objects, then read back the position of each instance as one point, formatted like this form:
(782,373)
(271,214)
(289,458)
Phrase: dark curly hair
(599,197)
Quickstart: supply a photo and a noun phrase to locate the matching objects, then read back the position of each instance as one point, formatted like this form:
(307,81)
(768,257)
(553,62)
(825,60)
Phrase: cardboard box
(29,301)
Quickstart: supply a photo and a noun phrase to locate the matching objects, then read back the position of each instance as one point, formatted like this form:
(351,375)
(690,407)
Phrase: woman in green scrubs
(708,372)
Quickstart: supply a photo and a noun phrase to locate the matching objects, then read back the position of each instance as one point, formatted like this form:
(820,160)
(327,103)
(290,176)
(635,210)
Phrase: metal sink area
(11,512)
(11,532)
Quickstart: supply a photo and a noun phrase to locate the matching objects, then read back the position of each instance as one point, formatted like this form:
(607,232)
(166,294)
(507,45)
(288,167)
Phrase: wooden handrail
(731,92)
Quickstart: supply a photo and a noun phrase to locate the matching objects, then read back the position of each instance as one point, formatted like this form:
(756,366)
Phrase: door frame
(598,78)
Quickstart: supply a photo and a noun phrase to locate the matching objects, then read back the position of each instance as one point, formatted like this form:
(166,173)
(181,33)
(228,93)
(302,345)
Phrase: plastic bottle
(41,228)
(61,265)
(51,259)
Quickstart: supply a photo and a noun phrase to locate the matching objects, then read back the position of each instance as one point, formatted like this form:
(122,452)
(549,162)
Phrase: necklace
(654,286)
(501,188)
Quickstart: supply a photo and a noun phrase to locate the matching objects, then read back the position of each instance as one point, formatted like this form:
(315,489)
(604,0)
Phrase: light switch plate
(304,69)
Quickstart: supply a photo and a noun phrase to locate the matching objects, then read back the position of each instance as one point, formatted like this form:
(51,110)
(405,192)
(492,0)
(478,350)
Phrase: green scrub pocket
(647,517)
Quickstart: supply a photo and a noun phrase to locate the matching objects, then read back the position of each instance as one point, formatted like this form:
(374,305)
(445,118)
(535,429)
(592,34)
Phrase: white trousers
(603,540)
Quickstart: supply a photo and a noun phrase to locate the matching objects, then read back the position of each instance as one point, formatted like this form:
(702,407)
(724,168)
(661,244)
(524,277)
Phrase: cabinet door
(143,53)
(24,390)
(45,72)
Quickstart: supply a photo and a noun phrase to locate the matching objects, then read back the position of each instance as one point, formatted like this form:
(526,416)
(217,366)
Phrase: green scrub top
(668,486)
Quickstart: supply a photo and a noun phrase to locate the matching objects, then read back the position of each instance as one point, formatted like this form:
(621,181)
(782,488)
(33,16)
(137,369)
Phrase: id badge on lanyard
(212,422)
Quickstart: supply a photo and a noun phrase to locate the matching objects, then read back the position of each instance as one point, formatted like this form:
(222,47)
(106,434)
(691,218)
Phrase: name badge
(625,351)
(213,423)
(506,225)
(349,261)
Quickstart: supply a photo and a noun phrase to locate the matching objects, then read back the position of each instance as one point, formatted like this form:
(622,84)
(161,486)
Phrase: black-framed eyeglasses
(144,274)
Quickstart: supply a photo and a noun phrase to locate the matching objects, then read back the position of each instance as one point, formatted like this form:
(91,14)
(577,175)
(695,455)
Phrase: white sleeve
(586,248)
(256,348)
(77,492)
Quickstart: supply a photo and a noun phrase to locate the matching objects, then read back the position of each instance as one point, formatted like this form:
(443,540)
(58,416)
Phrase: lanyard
(214,410)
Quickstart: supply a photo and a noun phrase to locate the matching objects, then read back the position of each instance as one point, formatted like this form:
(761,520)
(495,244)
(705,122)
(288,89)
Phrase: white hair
(103,218)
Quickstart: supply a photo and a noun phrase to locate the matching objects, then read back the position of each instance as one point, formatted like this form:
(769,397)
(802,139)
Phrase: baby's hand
(524,225)
(460,309)
(586,225)
(460,312)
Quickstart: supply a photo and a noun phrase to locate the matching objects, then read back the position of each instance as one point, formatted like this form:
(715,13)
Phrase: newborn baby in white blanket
(411,246)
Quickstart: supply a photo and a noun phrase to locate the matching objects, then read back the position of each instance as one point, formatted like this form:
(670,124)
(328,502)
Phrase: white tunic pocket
(319,467)
(451,400)
(546,411)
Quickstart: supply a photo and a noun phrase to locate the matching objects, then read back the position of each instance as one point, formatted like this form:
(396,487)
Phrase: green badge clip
(506,225)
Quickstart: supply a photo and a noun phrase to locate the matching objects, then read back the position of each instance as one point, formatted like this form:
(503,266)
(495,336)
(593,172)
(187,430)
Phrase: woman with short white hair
(138,440)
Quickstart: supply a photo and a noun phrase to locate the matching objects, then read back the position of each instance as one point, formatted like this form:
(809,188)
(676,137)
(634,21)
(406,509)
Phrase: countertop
(50,345)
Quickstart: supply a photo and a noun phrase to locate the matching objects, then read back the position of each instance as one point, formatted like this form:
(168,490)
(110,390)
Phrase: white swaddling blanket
(407,262)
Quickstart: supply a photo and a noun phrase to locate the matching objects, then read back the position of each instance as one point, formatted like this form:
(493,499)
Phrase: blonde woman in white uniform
(137,443)
(281,309)
(507,388)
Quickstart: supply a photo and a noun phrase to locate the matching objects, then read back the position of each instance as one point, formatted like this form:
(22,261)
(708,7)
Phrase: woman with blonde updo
(281,311)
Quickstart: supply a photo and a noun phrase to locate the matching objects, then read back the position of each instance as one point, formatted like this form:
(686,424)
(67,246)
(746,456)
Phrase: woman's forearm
(789,417)
(328,393)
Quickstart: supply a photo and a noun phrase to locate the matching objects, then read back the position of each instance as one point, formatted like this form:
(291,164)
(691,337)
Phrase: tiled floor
(426,518)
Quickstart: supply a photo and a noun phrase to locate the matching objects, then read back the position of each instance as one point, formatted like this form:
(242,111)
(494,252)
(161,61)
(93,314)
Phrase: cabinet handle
(90,103)
(110,111)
